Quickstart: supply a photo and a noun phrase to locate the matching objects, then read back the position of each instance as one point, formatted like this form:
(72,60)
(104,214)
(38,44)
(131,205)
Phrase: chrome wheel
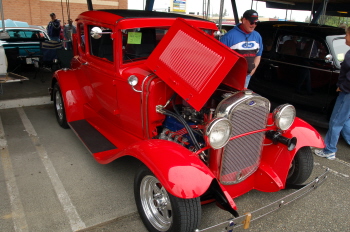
(156,203)
(59,105)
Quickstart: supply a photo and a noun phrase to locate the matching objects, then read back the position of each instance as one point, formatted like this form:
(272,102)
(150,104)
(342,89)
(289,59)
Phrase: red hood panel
(193,64)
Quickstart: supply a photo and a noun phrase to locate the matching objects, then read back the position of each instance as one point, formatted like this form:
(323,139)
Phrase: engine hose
(188,128)
(172,99)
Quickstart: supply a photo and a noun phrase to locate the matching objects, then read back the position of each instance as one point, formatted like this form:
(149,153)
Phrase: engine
(233,121)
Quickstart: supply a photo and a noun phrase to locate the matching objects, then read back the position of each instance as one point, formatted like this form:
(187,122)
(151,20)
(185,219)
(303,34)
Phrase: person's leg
(247,79)
(340,115)
(346,131)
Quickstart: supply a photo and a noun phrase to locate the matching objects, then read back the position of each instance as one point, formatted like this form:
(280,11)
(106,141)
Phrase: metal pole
(221,14)
(89,3)
(234,9)
(3,34)
(2,17)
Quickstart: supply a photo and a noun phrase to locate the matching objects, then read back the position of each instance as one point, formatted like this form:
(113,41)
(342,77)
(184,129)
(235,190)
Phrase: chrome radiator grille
(241,157)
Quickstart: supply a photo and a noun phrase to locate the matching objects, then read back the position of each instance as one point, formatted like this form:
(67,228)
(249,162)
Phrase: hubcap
(59,105)
(156,203)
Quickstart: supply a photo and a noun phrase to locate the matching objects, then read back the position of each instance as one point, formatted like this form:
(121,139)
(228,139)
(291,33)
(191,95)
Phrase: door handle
(86,63)
(273,66)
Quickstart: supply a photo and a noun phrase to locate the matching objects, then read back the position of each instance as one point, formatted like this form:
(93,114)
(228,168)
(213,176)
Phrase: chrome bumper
(245,220)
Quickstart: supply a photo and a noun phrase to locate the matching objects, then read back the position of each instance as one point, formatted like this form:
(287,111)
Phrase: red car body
(95,98)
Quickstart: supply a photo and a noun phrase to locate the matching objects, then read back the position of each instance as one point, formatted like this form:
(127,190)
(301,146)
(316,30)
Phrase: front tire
(59,107)
(301,167)
(161,211)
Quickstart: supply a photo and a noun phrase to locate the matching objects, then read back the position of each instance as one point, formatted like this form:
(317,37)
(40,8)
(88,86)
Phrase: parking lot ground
(49,182)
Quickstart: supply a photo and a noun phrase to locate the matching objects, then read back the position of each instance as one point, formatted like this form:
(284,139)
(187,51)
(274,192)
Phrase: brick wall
(37,12)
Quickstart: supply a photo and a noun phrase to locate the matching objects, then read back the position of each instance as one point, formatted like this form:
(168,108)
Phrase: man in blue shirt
(247,42)
(54,28)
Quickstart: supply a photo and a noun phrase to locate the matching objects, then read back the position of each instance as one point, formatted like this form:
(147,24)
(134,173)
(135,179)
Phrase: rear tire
(161,211)
(301,167)
(59,107)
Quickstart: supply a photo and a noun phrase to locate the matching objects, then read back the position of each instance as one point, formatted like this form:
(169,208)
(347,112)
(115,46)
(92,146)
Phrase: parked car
(159,87)
(23,45)
(300,65)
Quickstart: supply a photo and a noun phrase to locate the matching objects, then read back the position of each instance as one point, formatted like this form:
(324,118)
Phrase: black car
(300,65)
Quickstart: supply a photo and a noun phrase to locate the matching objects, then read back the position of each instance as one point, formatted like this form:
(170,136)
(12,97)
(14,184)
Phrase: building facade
(37,12)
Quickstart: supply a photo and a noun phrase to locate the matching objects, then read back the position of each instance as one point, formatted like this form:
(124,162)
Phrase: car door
(296,71)
(99,68)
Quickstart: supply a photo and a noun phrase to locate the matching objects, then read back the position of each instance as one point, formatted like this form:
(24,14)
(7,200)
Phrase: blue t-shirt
(248,45)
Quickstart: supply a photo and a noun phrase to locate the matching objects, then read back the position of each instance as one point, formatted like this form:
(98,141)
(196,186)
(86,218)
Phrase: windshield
(139,43)
(340,48)
(25,35)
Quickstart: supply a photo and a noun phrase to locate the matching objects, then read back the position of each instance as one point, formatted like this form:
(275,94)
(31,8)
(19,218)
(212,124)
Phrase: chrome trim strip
(303,66)
(244,220)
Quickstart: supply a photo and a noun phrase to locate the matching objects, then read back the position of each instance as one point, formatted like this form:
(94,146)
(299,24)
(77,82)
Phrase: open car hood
(194,64)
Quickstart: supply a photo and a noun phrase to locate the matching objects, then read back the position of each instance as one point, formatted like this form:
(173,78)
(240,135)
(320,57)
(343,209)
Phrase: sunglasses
(256,23)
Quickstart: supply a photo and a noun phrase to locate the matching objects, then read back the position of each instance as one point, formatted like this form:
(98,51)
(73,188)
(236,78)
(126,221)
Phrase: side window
(302,46)
(103,46)
(267,37)
(287,45)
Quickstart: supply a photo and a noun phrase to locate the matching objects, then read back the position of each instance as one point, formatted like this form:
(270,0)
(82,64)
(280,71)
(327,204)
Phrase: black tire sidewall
(302,166)
(177,225)
(62,122)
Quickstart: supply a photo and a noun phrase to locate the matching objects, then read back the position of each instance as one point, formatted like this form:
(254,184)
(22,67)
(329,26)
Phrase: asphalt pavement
(50,182)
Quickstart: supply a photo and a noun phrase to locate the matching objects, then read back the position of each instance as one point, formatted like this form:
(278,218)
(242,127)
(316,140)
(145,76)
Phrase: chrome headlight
(218,132)
(284,116)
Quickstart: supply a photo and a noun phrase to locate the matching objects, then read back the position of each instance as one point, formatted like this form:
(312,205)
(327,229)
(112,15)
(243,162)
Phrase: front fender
(276,159)
(71,93)
(182,173)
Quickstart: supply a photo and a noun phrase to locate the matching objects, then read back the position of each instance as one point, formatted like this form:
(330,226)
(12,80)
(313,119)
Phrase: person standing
(340,119)
(246,41)
(54,28)
(69,29)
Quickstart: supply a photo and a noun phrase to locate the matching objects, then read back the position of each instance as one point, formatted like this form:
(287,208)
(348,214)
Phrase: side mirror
(329,59)
(96,32)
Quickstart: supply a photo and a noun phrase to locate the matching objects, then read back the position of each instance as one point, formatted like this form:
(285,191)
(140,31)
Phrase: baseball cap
(251,15)
(52,14)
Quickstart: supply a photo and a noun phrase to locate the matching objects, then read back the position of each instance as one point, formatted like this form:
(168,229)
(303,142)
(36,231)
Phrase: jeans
(55,38)
(339,123)
(247,79)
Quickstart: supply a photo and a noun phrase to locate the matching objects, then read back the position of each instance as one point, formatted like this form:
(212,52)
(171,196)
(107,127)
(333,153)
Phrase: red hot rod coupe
(159,87)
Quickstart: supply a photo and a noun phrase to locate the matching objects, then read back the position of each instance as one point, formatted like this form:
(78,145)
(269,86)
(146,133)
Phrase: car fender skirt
(71,94)
(181,172)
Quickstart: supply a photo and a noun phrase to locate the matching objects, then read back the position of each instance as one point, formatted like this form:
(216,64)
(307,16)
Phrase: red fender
(182,173)
(71,93)
(275,157)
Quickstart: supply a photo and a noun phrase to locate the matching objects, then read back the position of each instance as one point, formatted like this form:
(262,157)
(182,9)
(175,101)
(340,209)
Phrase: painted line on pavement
(18,216)
(75,221)
(336,173)
(32,101)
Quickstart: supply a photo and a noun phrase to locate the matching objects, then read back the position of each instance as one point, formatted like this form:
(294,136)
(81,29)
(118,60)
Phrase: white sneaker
(320,153)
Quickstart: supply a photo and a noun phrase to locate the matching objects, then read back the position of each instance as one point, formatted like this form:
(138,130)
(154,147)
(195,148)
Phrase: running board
(92,138)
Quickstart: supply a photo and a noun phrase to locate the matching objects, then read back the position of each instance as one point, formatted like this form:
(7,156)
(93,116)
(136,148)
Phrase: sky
(242,5)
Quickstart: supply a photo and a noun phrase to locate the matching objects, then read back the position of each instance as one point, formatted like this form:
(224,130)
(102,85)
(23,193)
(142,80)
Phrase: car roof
(115,15)
(316,29)
(148,14)
(24,28)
